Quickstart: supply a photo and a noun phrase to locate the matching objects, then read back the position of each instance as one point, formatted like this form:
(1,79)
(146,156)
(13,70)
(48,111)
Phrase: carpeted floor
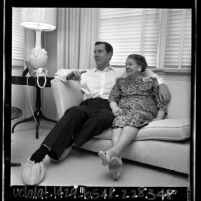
(83,167)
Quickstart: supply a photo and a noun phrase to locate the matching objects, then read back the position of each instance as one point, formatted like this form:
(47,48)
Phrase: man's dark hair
(108,47)
(140,60)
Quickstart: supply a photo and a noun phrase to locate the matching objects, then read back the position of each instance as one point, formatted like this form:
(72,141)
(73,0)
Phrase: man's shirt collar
(105,70)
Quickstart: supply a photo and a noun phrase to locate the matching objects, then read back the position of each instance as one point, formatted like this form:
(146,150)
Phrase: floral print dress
(139,100)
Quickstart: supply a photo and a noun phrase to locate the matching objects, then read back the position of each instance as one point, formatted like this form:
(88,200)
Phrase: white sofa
(164,143)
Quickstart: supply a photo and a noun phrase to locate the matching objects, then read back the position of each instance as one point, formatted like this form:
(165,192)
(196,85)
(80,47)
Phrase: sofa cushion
(166,129)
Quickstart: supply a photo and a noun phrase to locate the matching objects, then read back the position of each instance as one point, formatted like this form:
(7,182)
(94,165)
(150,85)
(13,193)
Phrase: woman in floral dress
(135,102)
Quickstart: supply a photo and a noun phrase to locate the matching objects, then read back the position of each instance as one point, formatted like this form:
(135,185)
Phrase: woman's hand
(117,111)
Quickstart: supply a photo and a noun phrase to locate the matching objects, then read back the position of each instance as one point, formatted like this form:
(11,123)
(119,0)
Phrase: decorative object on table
(33,173)
(38,19)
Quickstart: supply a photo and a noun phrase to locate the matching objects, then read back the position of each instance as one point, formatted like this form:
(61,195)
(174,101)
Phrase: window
(178,41)
(163,36)
(17,38)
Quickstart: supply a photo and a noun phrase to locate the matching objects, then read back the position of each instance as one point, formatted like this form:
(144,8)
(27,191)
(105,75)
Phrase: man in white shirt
(93,116)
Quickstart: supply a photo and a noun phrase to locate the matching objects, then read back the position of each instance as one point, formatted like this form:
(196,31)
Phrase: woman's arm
(114,99)
(160,115)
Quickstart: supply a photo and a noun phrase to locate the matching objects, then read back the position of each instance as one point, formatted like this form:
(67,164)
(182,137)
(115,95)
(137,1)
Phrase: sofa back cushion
(179,106)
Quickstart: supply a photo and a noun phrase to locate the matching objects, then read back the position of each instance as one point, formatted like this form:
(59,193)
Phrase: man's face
(102,58)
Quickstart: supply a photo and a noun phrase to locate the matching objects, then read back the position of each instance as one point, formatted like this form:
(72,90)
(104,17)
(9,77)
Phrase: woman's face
(131,67)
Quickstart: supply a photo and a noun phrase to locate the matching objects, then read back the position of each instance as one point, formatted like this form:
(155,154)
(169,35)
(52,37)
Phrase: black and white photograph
(100,97)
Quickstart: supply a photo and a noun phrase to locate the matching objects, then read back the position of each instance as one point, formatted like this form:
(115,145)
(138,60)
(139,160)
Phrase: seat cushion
(167,129)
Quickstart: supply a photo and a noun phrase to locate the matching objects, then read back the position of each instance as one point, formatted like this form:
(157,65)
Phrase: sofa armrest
(65,95)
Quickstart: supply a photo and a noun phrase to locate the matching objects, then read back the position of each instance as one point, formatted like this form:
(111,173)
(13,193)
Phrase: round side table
(15,113)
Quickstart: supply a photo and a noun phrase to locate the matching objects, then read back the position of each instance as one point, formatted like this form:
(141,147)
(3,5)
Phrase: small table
(32,81)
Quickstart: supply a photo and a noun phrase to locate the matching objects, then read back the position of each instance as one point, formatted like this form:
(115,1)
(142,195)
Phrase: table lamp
(38,19)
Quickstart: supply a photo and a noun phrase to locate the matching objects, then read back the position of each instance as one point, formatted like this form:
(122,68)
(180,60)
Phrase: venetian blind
(178,39)
(151,32)
(130,31)
(17,38)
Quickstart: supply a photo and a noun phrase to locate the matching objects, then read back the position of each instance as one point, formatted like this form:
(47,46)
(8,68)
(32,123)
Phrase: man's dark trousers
(78,125)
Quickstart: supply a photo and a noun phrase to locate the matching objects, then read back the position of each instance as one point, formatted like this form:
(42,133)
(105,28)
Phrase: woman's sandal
(104,157)
(115,167)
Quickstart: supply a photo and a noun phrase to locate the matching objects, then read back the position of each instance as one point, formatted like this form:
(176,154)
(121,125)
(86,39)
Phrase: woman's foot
(104,157)
(115,167)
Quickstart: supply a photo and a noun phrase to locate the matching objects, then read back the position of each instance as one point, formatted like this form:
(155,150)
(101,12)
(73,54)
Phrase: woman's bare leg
(115,137)
(116,133)
(128,134)
(115,164)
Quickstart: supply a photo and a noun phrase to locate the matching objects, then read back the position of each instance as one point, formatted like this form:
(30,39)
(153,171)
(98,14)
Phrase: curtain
(76,35)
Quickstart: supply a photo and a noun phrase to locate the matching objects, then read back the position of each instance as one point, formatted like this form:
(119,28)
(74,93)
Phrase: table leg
(37,116)
(24,120)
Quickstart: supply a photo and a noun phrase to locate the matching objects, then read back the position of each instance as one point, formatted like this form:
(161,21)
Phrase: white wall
(22,95)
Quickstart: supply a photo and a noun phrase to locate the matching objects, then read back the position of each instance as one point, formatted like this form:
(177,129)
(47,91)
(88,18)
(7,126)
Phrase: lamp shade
(43,19)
